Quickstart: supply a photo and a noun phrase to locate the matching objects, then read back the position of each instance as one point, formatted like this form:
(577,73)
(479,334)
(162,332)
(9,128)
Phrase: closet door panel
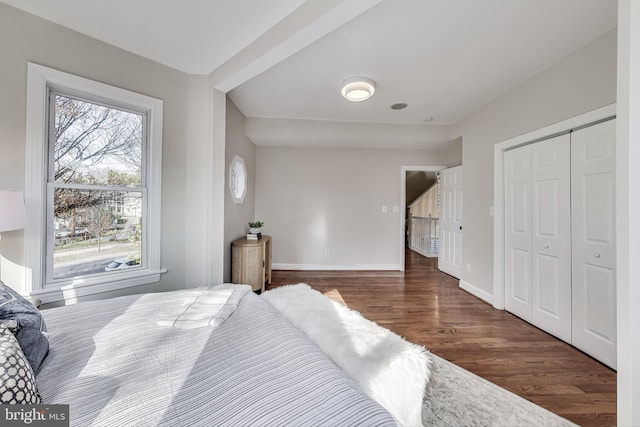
(600,300)
(551,236)
(518,231)
(520,280)
(547,297)
(593,221)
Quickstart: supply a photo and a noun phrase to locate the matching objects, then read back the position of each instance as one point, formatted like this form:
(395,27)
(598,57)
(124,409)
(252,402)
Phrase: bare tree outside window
(101,223)
(96,176)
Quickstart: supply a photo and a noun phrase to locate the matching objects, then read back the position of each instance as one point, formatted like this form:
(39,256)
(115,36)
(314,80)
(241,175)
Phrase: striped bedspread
(116,364)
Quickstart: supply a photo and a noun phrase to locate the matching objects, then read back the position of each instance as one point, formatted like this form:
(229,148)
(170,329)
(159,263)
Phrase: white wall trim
(403,201)
(337,267)
(477,292)
(628,208)
(498,185)
(70,293)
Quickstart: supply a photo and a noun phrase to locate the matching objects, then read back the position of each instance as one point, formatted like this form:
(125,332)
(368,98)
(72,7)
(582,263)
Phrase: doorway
(421,176)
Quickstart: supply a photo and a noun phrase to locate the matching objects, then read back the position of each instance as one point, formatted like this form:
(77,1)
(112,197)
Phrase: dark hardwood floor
(427,307)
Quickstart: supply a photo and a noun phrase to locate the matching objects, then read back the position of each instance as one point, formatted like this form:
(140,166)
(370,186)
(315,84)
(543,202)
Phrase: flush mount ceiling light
(358,88)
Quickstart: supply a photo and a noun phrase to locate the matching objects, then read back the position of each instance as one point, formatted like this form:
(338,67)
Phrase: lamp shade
(13,215)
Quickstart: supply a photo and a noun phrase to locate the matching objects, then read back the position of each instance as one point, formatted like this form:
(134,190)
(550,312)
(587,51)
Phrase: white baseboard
(423,253)
(339,267)
(477,292)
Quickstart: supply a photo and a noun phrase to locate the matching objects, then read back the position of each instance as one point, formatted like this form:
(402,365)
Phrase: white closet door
(538,234)
(593,217)
(551,236)
(450,253)
(517,214)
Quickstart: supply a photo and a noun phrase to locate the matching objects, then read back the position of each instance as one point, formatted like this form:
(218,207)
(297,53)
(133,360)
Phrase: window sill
(69,293)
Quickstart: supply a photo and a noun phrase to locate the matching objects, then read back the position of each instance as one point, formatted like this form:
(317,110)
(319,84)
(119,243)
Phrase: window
(238,179)
(93,186)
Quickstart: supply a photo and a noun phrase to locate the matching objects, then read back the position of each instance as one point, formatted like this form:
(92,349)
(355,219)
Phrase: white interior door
(593,217)
(538,234)
(450,254)
(517,233)
(551,236)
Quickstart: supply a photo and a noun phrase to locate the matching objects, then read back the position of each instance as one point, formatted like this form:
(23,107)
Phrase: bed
(164,359)
(210,356)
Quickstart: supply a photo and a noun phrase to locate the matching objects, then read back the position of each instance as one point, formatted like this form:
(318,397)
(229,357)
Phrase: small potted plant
(255,226)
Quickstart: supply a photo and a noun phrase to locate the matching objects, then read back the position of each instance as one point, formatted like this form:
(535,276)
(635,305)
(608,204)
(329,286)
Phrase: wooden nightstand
(251,262)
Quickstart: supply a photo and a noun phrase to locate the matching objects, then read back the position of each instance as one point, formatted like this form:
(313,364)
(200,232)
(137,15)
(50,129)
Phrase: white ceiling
(444,58)
(285,59)
(194,36)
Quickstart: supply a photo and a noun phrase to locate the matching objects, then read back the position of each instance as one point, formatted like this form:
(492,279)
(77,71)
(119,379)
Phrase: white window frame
(40,80)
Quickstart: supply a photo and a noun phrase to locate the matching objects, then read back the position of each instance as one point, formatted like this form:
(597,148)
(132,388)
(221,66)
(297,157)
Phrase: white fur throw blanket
(387,368)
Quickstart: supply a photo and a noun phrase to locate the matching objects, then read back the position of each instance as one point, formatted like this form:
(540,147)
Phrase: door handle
(596,254)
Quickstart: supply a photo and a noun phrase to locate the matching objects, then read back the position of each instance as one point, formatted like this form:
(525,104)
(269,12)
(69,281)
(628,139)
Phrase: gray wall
(237,215)
(25,38)
(323,207)
(579,83)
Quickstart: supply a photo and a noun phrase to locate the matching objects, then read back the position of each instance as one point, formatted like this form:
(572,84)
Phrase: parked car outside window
(121,264)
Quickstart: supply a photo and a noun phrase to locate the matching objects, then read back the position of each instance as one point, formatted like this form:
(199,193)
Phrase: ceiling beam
(311,21)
